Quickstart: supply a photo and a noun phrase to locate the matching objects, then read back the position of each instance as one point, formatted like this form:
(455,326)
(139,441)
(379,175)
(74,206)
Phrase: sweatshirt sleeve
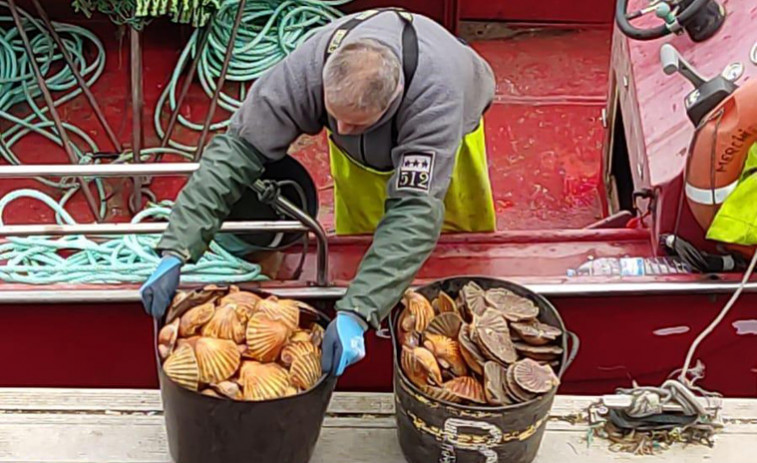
(430,132)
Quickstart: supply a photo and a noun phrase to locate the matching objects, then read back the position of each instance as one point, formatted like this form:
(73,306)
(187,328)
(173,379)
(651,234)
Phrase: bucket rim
(321,318)
(521,290)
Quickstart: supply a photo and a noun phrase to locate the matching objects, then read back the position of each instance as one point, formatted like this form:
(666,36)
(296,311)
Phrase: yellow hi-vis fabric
(736,220)
(360,192)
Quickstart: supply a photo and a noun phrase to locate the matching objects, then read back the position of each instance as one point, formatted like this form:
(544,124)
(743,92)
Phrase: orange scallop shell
(466,388)
(305,371)
(243,300)
(446,304)
(290,391)
(263,381)
(167,338)
(283,311)
(195,318)
(300,336)
(446,324)
(447,353)
(317,332)
(211,393)
(228,389)
(265,337)
(439,393)
(297,349)
(190,341)
(420,366)
(218,359)
(534,378)
(420,308)
(182,368)
(225,324)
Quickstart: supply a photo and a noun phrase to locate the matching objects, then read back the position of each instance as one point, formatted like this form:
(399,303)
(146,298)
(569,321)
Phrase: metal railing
(302,221)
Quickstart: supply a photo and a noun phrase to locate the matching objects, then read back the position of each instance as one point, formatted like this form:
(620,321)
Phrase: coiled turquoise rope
(270,30)
(121,259)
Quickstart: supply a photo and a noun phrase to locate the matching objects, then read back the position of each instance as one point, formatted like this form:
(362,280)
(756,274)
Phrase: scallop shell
(190,341)
(514,389)
(447,353)
(420,366)
(228,389)
(495,388)
(446,324)
(225,324)
(540,353)
(470,351)
(290,391)
(211,393)
(317,332)
(439,393)
(263,381)
(466,388)
(420,308)
(182,368)
(533,377)
(218,359)
(494,338)
(300,336)
(294,350)
(192,321)
(497,297)
(285,311)
(185,300)
(305,371)
(473,299)
(167,338)
(446,304)
(265,337)
(242,300)
(535,332)
(518,309)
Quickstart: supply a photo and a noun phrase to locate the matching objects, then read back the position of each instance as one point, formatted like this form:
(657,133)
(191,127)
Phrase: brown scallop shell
(470,351)
(305,371)
(420,366)
(514,389)
(296,349)
(533,377)
(284,311)
(539,353)
(265,337)
(535,332)
(473,298)
(228,389)
(167,338)
(447,353)
(182,368)
(218,359)
(420,308)
(225,324)
(495,388)
(439,393)
(185,300)
(519,309)
(494,338)
(497,297)
(446,324)
(466,388)
(263,381)
(317,332)
(195,318)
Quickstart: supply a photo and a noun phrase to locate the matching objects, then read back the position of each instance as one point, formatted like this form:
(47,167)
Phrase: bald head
(360,80)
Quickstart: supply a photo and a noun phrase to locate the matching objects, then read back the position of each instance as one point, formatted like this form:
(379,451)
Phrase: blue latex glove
(158,291)
(343,343)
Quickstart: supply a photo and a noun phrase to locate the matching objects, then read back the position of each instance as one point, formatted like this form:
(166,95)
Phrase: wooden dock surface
(126,426)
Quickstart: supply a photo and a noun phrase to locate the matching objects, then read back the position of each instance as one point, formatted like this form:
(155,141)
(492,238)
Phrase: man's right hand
(158,291)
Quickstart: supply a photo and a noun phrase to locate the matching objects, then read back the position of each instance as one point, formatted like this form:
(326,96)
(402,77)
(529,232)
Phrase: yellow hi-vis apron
(736,220)
(360,192)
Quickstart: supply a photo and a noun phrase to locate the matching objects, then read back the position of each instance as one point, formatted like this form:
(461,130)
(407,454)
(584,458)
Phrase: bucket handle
(575,344)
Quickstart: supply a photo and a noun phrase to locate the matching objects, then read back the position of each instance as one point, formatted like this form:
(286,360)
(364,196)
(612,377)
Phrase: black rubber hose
(655,32)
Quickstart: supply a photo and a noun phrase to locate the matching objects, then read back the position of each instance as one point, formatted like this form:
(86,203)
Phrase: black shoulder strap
(409,44)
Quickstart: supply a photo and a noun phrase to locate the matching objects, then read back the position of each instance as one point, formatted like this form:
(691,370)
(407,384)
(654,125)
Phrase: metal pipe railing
(303,221)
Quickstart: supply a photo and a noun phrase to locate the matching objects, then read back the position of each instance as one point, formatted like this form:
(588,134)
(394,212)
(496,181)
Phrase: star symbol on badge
(416,163)
(424,164)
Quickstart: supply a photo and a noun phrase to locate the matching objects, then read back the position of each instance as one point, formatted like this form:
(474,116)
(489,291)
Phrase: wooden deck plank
(111,426)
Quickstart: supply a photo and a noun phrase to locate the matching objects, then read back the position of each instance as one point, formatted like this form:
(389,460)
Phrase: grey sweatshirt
(451,88)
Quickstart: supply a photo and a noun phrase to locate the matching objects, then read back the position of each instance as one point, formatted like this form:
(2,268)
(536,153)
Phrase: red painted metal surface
(585,11)
(641,338)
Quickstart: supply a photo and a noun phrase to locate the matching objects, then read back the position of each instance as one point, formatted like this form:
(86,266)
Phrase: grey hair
(362,75)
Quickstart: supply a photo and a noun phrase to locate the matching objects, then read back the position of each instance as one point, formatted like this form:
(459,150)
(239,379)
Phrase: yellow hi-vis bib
(736,220)
(360,192)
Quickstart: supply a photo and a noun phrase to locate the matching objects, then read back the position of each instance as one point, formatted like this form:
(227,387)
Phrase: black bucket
(203,429)
(431,430)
